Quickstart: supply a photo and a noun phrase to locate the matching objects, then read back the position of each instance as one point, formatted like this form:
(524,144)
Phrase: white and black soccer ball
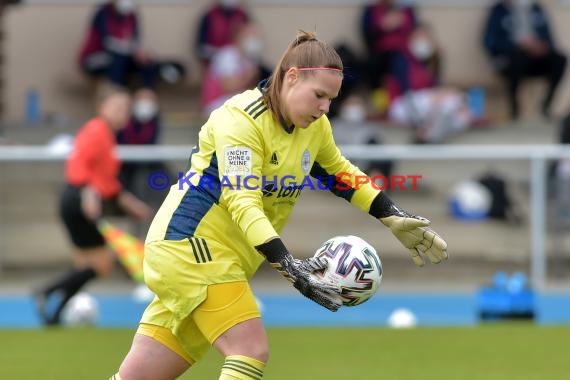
(81,310)
(354,265)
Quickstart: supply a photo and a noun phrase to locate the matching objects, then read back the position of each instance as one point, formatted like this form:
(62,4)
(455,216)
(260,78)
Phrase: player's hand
(134,206)
(413,232)
(91,203)
(299,272)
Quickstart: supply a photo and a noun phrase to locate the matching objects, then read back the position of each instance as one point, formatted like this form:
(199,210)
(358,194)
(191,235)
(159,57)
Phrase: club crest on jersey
(306,161)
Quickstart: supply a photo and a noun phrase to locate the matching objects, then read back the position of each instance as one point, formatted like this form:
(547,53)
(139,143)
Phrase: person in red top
(386,27)
(91,176)
(112,47)
(218,26)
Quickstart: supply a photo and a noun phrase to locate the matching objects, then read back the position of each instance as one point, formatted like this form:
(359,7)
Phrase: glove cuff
(274,250)
(382,206)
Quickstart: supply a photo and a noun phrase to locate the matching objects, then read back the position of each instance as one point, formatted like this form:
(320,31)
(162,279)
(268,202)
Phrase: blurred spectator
(386,29)
(218,26)
(233,68)
(353,127)
(143,125)
(417,99)
(518,38)
(354,76)
(143,128)
(112,48)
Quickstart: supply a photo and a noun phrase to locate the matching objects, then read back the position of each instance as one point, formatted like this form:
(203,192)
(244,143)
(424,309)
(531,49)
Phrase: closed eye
(322,96)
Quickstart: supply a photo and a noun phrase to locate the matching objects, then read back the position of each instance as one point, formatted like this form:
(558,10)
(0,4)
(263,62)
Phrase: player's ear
(292,76)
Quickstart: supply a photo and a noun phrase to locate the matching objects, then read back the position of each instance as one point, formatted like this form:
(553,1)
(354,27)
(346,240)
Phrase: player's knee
(258,351)
(104,268)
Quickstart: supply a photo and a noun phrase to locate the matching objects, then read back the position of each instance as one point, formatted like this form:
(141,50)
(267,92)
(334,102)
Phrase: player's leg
(245,349)
(91,258)
(230,319)
(155,352)
(154,358)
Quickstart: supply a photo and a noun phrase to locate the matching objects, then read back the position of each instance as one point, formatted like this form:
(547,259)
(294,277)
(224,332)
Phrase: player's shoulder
(250,103)
(246,108)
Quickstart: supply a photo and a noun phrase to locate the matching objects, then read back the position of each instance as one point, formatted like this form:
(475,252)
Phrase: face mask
(353,113)
(421,49)
(252,47)
(125,7)
(229,3)
(144,110)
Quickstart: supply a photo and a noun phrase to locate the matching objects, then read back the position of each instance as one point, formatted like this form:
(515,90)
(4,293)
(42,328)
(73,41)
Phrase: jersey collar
(261,86)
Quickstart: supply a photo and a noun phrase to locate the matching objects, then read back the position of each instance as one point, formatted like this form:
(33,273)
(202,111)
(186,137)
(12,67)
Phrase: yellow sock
(239,367)
(116,377)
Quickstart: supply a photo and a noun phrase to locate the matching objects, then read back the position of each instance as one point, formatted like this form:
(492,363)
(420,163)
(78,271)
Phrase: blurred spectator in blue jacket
(218,26)
(112,47)
(519,40)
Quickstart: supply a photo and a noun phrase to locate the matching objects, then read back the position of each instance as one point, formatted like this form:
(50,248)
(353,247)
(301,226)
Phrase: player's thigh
(81,231)
(149,359)
(229,318)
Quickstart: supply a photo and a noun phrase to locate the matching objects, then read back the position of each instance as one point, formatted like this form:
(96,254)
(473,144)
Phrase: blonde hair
(106,91)
(305,51)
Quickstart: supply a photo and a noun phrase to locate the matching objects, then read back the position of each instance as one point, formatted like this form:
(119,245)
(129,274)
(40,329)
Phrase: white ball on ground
(402,318)
(81,310)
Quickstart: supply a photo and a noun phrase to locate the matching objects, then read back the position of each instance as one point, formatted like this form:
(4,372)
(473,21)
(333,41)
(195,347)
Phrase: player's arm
(240,155)
(411,230)
(356,187)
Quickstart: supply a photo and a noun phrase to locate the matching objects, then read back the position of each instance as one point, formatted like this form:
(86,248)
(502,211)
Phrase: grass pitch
(497,351)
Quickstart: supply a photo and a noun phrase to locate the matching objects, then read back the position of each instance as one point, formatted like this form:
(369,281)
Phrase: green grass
(500,351)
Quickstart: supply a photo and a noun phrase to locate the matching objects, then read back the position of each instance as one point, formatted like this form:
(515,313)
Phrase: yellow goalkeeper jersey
(246,175)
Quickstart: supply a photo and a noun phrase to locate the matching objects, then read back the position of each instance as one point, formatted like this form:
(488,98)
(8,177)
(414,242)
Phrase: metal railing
(537,155)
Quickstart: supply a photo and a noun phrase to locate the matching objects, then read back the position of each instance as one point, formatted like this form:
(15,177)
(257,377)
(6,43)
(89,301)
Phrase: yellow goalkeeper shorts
(225,306)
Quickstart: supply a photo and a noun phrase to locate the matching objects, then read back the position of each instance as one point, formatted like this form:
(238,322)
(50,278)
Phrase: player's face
(305,98)
(116,110)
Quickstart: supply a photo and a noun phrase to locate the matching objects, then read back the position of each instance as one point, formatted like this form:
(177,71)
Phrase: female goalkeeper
(221,221)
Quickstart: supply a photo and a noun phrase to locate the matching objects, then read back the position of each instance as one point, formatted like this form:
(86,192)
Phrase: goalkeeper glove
(300,273)
(412,231)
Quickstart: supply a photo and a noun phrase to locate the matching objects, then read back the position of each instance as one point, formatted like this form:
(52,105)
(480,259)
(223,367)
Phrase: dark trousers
(120,69)
(521,65)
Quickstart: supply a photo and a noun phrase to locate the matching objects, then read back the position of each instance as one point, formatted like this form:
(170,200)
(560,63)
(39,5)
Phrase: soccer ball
(354,265)
(81,310)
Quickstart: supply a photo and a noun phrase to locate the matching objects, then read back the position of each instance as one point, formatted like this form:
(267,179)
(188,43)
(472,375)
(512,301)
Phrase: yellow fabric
(242,368)
(242,140)
(225,306)
(164,336)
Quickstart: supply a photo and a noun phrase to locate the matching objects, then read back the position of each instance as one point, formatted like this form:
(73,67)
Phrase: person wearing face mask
(218,26)
(418,65)
(233,68)
(142,128)
(352,126)
(112,48)
(417,99)
(518,39)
